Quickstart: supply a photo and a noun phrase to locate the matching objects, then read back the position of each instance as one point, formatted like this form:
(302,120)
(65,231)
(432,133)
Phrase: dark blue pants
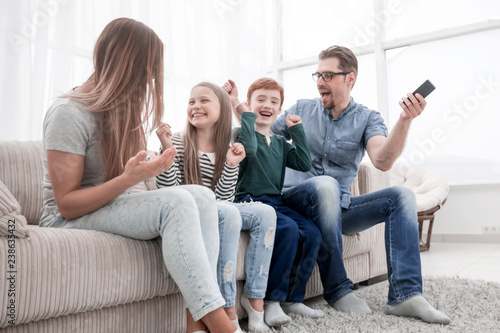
(296,245)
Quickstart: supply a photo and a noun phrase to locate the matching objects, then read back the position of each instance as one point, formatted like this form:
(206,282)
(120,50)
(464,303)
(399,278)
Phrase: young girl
(204,157)
(94,140)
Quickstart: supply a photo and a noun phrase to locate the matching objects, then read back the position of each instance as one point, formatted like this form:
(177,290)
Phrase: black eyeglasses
(327,76)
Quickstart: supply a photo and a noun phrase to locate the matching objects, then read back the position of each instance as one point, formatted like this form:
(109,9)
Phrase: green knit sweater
(262,172)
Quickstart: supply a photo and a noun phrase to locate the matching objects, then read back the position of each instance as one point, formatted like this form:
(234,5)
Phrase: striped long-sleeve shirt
(225,186)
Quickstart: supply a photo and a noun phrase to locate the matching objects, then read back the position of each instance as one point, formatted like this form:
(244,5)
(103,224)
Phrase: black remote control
(425,89)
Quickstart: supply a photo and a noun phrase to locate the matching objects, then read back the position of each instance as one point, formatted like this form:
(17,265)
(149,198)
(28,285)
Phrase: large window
(309,25)
(400,44)
(455,133)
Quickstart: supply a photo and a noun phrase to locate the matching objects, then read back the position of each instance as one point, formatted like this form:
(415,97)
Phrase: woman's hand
(164,133)
(235,154)
(138,168)
(66,172)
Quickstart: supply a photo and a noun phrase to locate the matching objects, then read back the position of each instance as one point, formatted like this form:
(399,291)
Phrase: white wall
(467,210)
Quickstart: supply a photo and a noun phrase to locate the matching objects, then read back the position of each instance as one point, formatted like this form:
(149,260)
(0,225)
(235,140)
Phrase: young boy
(261,177)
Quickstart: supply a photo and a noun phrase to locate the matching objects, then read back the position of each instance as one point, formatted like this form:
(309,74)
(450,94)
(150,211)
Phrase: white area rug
(472,305)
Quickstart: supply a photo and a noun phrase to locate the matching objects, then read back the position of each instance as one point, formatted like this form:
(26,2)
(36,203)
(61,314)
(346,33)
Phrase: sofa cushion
(353,246)
(12,223)
(65,271)
(430,189)
(21,170)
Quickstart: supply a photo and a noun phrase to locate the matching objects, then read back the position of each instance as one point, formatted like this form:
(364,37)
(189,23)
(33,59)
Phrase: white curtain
(47,49)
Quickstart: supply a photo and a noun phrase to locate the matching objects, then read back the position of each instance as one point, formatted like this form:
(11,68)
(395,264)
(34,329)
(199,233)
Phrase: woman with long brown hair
(94,150)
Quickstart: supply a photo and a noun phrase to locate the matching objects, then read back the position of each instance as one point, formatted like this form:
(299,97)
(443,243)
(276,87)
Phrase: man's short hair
(347,59)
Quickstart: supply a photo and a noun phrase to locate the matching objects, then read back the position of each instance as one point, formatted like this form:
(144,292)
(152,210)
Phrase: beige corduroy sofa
(90,281)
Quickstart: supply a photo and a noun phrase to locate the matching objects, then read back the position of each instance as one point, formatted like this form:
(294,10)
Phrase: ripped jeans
(260,220)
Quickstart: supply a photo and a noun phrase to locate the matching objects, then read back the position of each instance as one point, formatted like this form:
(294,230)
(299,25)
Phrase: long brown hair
(192,171)
(127,89)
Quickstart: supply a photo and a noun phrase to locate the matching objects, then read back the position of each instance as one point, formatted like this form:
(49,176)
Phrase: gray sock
(352,303)
(418,307)
(274,315)
(301,309)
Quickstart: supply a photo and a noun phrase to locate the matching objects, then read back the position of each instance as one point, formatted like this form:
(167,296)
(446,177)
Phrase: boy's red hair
(268,84)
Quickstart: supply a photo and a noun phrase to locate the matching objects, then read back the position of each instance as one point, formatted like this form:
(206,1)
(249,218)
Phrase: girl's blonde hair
(192,171)
(127,90)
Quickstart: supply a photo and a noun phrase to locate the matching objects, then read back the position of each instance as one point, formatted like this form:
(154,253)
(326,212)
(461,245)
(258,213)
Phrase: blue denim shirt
(337,144)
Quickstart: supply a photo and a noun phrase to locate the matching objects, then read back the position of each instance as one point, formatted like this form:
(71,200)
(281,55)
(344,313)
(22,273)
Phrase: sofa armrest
(21,170)
(371,179)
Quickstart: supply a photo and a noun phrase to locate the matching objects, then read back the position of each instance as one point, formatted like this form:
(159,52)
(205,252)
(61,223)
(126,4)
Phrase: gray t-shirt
(70,129)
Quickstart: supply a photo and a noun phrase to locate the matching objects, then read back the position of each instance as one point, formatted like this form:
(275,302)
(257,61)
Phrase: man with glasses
(339,130)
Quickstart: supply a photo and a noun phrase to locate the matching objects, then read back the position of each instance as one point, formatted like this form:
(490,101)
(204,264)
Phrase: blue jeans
(319,198)
(296,247)
(186,219)
(260,220)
